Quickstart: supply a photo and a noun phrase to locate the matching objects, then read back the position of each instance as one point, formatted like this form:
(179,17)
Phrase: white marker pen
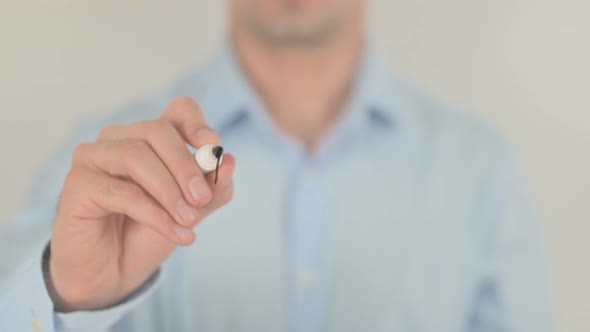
(209,157)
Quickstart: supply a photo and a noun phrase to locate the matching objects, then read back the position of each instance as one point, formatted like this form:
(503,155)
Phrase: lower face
(295,21)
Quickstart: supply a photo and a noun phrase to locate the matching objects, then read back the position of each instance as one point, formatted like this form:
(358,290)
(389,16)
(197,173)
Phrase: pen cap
(206,159)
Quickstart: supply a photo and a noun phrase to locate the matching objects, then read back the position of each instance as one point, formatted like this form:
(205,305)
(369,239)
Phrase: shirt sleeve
(514,294)
(25,304)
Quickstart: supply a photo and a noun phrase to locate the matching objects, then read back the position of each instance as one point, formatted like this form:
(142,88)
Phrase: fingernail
(187,212)
(184,234)
(200,191)
(204,135)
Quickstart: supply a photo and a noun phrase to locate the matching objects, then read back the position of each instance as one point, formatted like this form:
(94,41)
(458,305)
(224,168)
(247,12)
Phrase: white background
(520,64)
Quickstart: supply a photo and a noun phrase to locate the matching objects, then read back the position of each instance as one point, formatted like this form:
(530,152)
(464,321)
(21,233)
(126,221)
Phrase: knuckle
(135,149)
(158,126)
(127,192)
(111,189)
(185,102)
(157,129)
(80,152)
(75,177)
(107,132)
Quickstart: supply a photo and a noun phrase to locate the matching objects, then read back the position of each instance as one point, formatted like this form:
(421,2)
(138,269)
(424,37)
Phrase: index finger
(187,117)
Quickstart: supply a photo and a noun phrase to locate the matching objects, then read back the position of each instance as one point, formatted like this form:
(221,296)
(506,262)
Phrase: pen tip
(217,152)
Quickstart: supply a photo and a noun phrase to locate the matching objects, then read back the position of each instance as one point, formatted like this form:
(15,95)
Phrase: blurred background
(520,64)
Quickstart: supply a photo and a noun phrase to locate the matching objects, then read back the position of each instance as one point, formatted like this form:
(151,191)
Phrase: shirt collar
(375,99)
(228,98)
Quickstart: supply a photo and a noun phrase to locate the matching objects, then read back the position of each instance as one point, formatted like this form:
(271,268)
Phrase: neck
(303,88)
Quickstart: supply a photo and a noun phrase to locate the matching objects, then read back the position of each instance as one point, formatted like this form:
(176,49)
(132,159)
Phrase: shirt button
(307,278)
(37,326)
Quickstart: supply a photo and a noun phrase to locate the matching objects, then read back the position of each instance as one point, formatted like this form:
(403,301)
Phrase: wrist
(60,304)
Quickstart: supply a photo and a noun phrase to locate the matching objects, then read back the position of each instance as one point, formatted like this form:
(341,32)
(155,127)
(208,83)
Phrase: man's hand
(129,199)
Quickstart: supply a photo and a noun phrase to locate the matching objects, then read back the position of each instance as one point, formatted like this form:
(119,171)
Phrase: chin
(292,22)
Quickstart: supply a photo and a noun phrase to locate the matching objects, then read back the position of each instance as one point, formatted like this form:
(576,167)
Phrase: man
(360,204)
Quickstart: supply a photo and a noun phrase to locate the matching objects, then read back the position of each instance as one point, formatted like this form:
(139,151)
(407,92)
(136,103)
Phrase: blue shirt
(409,217)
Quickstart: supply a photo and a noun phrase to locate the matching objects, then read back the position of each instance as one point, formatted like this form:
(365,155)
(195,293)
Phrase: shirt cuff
(102,320)
(25,304)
